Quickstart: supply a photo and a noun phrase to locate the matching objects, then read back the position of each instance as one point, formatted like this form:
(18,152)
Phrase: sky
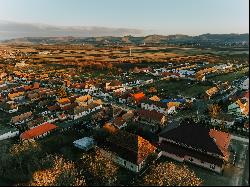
(191,17)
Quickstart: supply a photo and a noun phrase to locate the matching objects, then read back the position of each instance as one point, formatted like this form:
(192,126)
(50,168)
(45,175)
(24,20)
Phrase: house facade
(128,150)
(196,144)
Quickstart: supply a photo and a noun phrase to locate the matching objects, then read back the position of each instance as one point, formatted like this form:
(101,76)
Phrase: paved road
(241,174)
(245,140)
(245,177)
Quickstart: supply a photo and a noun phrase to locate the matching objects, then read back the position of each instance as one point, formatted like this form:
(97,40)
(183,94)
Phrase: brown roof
(54,107)
(153,115)
(119,122)
(21,117)
(70,106)
(115,83)
(129,146)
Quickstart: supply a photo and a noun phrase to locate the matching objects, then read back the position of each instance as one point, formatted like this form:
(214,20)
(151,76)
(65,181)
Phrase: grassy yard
(175,87)
(195,90)
(230,76)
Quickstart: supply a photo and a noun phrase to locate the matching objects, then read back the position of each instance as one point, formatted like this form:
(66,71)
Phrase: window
(212,166)
(124,163)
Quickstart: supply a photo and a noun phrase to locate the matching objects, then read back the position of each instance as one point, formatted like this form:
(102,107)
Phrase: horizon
(140,33)
(160,17)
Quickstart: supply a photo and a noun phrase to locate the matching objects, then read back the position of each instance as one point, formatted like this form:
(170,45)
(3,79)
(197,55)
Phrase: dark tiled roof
(153,115)
(193,135)
(182,151)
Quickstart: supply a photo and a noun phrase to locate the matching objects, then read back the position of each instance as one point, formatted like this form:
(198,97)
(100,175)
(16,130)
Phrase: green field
(230,76)
(179,87)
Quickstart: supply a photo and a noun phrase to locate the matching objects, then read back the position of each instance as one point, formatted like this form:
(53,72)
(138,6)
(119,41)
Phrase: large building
(126,149)
(196,144)
(38,132)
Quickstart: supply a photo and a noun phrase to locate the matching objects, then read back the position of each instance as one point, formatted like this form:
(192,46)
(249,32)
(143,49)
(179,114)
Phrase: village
(190,111)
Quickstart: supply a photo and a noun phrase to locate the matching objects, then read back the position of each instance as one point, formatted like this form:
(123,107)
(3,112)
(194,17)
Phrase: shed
(85,143)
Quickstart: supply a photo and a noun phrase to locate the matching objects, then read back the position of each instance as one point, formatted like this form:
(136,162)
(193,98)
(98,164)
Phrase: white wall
(8,135)
(122,162)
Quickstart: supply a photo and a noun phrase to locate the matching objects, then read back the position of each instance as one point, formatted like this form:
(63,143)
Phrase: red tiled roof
(138,96)
(37,131)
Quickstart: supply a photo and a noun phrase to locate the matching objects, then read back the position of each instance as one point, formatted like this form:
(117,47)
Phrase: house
(137,97)
(21,118)
(154,98)
(69,107)
(124,97)
(53,108)
(245,84)
(211,92)
(36,122)
(152,120)
(73,98)
(154,105)
(62,116)
(196,144)
(16,96)
(84,100)
(33,96)
(79,111)
(85,143)
(8,132)
(63,102)
(113,85)
(142,70)
(128,150)
(246,96)
(3,86)
(171,75)
(240,107)
(244,106)
(9,106)
(119,122)
(38,132)
(95,105)
(185,72)
(146,70)
(128,116)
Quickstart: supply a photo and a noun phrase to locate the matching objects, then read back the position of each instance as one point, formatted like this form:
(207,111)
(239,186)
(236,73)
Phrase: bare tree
(214,110)
(170,174)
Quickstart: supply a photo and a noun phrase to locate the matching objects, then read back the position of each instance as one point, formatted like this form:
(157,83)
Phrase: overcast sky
(191,17)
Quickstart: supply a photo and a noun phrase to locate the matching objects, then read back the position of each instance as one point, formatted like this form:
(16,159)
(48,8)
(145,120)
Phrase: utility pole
(130,52)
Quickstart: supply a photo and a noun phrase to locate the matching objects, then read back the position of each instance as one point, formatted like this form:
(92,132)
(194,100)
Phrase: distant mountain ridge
(204,39)
(11,30)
